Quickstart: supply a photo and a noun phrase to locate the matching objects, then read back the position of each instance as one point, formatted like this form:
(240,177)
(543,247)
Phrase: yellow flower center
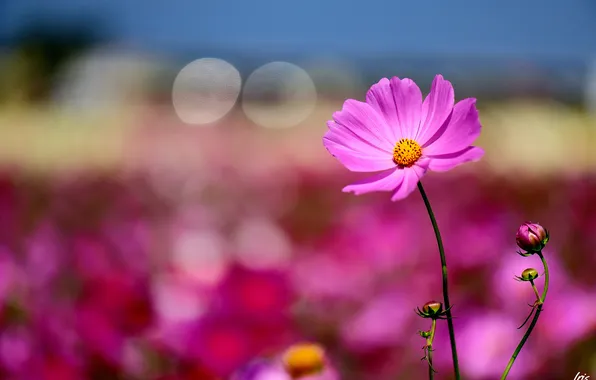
(406,152)
(304,360)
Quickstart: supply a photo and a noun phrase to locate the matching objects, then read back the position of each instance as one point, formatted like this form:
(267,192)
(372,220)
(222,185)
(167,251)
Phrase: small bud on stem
(433,310)
(532,238)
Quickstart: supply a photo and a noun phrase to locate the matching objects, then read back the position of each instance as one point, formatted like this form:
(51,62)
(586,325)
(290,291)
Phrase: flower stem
(431,371)
(433,328)
(535,290)
(534,320)
(445,284)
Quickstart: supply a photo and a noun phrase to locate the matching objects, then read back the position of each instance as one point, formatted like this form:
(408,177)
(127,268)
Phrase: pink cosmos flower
(400,136)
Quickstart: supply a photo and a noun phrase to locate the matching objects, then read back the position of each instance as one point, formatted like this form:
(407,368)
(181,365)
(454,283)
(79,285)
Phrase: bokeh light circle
(205,90)
(261,244)
(279,95)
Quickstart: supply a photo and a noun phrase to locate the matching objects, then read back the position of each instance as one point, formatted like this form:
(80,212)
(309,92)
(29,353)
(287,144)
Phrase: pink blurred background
(165,221)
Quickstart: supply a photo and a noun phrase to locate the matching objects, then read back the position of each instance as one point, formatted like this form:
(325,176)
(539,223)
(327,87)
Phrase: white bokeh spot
(205,90)
(199,255)
(261,244)
(279,95)
(177,302)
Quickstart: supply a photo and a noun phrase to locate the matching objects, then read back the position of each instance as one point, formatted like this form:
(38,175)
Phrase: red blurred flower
(257,295)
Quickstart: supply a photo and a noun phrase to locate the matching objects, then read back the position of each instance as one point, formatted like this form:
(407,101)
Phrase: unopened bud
(529,274)
(531,237)
(432,309)
(304,359)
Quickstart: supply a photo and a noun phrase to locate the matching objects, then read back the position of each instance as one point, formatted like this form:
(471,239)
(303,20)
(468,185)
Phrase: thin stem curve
(445,282)
(534,320)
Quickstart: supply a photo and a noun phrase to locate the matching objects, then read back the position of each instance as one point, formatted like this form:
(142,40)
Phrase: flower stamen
(406,152)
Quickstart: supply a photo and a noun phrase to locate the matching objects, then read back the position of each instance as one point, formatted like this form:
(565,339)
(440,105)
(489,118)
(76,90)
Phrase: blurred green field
(535,137)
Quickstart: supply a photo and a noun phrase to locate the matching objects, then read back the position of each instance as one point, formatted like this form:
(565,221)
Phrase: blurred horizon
(531,29)
(532,47)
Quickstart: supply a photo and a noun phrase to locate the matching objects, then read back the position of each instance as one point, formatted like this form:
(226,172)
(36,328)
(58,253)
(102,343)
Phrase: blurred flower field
(164,252)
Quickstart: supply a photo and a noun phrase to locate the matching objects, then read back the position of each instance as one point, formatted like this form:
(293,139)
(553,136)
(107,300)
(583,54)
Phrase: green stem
(445,284)
(433,328)
(534,320)
(429,342)
(431,371)
(546,277)
(535,290)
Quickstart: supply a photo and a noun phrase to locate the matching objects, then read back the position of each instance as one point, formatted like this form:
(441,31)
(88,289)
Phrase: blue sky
(524,29)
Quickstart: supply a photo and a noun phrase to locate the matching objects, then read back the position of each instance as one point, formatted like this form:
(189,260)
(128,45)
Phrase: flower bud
(529,274)
(432,309)
(304,359)
(531,237)
(424,334)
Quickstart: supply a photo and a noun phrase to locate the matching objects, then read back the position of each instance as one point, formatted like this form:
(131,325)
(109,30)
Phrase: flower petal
(346,137)
(411,176)
(399,101)
(436,109)
(365,123)
(355,154)
(386,180)
(459,133)
(443,163)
